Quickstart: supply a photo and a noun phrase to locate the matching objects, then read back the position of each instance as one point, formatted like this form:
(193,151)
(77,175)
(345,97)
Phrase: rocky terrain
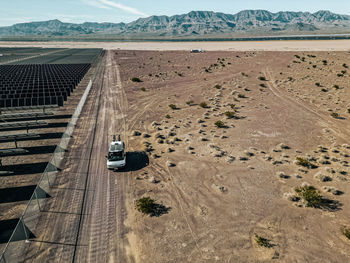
(194,24)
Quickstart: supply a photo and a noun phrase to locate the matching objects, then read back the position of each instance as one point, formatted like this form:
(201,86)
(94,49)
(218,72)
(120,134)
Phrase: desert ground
(279,45)
(214,139)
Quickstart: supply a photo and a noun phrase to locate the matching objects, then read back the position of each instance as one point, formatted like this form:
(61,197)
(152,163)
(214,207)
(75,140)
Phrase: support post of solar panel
(37,199)
(24,228)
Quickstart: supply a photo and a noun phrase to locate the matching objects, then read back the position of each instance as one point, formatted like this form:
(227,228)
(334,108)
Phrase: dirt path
(88,198)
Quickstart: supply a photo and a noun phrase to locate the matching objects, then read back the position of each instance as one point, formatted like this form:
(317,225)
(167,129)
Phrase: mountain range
(195,23)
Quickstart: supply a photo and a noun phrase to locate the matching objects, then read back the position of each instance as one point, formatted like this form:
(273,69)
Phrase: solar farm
(39,91)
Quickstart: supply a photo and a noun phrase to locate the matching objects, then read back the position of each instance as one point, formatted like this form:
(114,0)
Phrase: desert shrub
(310,195)
(143,89)
(336,87)
(233,106)
(217,86)
(189,102)
(304,162)
(343,71)
(230,114)
(314,66)
(242,96)
(324,90)
(180,74)
(219,124)
(297,56)
(167,116)
(150,75)
(203,104)
(345,66)
(346,232)
(318,84)
(325,62)
(290,78)
(136,79)
(145,205)
(262,78)
(349,110)
(263,242)
(262,85)
(172,106)
(335,115)
(340,75)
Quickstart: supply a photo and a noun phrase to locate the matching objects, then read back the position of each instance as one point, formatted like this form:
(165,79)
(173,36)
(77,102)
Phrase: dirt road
(83,220)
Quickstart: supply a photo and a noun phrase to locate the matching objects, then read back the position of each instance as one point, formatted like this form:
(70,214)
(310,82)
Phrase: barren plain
(225,186)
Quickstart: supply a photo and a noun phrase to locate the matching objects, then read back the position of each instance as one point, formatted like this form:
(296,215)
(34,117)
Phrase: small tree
(145,205)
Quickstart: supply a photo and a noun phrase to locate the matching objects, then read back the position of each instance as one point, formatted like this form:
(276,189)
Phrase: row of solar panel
(50,100)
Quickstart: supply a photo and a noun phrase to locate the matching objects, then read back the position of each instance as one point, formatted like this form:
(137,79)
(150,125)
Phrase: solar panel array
(43,77)
(31,85)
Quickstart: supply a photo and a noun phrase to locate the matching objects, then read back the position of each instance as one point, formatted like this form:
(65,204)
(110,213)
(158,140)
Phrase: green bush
(324,90)
(336,87)
(262,78)
(145,205)
(263,242)
(346,232)
(335,115)
(136,80)
(230,114)
(172,106)
(318,84)
(217,86)
(310,195)
(304,162)
(345,66)
(219,124)
(203,104)
(167,116)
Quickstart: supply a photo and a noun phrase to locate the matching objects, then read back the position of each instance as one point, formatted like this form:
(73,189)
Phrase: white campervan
(116,158)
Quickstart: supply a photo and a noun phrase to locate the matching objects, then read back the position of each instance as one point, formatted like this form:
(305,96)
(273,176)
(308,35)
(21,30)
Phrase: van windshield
(116,156)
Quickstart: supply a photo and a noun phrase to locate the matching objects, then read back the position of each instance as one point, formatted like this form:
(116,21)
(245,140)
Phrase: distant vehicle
(197,50)
(116,158)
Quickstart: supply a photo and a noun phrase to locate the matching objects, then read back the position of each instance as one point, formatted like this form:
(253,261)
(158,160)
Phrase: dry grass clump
(262,242)
(310,195)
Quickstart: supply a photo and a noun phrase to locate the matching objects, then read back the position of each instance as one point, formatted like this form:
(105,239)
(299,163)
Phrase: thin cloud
(95,3)
(122,7)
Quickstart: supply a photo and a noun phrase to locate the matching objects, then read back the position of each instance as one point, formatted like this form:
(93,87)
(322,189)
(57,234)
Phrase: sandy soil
(217,188)
(230,184)
(299,45)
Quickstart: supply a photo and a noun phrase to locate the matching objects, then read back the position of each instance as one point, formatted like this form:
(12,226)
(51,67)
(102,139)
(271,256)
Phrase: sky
(79,11)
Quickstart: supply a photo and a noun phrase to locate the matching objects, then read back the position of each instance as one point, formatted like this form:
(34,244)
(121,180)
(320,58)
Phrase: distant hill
(195,23)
